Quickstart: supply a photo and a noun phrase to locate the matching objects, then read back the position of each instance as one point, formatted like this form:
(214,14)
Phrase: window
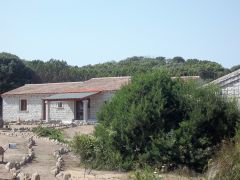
(23,105)
(59,104)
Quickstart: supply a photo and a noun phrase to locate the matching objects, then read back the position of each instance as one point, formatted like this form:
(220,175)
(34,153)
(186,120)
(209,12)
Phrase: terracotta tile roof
(92,85)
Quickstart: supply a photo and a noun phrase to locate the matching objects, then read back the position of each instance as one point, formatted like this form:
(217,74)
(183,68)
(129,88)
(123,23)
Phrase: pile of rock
(64,176)
(60,162)
(25,176)
(82,123)
(21,129)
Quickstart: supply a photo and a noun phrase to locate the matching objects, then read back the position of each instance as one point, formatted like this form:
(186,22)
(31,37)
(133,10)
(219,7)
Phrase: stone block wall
(64,113)
(230,85)
(11,107)
(232,90)
(34,112)
(96,102)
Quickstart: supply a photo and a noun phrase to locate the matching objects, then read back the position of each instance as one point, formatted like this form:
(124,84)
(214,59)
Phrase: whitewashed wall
(96,102)
(11,108)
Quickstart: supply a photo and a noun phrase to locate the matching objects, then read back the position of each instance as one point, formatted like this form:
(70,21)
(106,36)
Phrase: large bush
(157,120)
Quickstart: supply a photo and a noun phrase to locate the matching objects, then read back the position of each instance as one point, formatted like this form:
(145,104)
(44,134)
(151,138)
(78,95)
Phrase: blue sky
(94,31)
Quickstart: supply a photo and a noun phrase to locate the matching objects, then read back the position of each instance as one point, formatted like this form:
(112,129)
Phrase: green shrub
(52,133)
(157,120)
(92,152)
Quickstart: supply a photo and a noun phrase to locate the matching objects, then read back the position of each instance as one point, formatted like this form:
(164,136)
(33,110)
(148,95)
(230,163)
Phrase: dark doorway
(44,110)
(79,110)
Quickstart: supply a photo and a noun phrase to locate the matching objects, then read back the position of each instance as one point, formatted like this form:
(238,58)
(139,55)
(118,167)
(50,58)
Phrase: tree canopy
(156,120)
(13,72)
(58,70)
(54,70)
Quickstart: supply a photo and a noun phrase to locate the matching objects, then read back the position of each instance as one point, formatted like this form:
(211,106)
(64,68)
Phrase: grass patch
(145,174)
(226,164)
(51,133)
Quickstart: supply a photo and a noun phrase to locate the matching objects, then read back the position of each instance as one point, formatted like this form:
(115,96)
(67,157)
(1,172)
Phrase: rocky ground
(44,161)
(48,159)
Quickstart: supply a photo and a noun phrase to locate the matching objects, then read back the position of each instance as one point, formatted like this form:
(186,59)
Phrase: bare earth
(70,132)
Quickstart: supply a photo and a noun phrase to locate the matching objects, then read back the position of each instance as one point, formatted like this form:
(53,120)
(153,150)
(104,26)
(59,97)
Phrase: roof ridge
(110,77)
(227,76)
(56,83)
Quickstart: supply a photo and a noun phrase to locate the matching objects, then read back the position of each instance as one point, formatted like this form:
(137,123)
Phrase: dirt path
(44,160)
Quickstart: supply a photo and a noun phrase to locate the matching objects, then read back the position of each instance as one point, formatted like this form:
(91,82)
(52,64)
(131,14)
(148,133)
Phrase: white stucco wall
(11,108)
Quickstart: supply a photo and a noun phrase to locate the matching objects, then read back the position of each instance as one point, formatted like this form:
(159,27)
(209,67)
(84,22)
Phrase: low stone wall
(25,126)
(15,167)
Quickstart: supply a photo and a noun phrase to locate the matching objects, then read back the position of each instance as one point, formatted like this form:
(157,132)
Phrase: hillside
(15,71)
(56,71)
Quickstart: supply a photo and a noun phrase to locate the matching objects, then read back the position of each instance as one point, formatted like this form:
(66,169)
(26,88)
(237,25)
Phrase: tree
(234,68)
(13,73)
(156,120)
(177,59)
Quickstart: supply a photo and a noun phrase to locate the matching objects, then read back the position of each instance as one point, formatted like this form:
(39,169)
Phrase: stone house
(230,85)
(67,101)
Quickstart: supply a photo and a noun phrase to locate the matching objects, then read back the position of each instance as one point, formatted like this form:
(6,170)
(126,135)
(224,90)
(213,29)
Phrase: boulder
(21,163)
(13,170)
(22,176)
(61,151)
(59,164)
(55,171)
(17,165)
(35,176)
(29,145)
(67,176)
(30,150)
(60,175)
(60,159)
(24,159)
(9,165)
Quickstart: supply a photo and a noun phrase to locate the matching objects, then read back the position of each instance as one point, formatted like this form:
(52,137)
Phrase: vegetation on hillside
(15,72)
(55,71)
(158,121)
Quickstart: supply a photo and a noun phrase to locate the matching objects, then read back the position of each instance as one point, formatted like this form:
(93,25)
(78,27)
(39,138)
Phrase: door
(79,110)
